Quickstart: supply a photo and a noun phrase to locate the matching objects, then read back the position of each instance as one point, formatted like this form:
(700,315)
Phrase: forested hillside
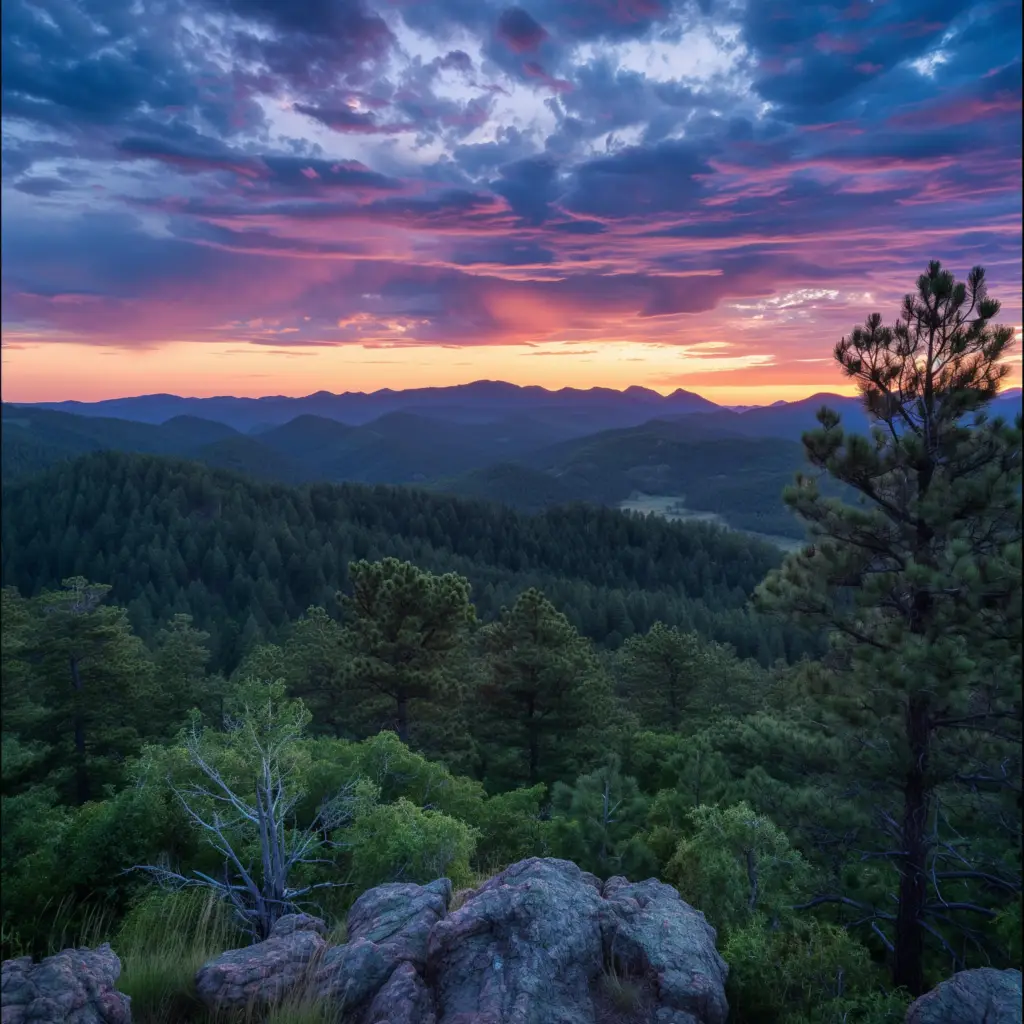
(510,461)
(245,558)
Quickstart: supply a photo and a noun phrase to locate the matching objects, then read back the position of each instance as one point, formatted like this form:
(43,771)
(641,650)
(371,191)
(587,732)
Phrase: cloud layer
(737,182)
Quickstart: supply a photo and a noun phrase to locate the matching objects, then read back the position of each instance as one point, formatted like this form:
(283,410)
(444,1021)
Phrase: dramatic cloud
(711,191)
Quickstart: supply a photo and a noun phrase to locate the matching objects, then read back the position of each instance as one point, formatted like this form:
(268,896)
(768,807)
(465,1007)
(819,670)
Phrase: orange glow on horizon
(50,371)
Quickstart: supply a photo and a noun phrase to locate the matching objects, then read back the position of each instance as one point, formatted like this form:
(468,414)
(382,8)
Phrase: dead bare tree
(259,893)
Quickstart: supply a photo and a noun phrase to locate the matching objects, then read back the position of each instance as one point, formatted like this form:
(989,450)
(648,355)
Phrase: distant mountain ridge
(528,448)
(569,412)
(595,408)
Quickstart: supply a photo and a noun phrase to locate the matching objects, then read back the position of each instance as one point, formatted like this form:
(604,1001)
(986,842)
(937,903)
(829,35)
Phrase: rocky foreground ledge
(530,946)
(541,943)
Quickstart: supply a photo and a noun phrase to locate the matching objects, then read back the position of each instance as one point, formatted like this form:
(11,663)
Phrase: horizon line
(667,393)
(812,392)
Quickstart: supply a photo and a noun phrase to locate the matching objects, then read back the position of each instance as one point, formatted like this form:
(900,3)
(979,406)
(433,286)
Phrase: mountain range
(522,446)
(481,401)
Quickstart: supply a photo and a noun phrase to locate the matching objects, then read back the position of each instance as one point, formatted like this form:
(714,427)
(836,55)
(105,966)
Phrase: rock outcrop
(388,926)
(650,932)
(982,996)
(536,944)
(262,974)
(524,948)
(76,986)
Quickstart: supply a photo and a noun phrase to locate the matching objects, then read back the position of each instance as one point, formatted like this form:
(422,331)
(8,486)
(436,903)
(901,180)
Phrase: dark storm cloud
(663,178)
(518,31)
(813,57)
(501,251)
(603,19)
(529,186)
(345,119)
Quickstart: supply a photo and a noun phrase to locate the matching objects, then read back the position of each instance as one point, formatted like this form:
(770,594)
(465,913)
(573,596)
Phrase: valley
(523,447)
(673,508)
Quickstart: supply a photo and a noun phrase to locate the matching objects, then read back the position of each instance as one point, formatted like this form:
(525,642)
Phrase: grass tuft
(163,941)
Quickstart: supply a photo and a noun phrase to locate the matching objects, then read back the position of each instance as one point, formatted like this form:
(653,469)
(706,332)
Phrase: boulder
(76,986)
(982,996)
(388,926)
(649,932)
(523,949)
(262,974)
(404,999)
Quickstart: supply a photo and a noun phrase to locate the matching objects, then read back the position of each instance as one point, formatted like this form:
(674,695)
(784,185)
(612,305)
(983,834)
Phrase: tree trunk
(534,739)
(403,717)
(673,704)
(908,966)
(81,770)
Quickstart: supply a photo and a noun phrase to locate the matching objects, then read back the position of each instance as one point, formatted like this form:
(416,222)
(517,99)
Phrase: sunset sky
(281,196)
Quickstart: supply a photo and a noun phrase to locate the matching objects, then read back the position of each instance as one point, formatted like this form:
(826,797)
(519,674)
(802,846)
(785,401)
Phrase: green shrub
(400,841)
(736,864)
(510,827)
(806,973)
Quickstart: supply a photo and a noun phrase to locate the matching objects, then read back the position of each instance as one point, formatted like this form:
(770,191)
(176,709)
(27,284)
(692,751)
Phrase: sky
(283,196)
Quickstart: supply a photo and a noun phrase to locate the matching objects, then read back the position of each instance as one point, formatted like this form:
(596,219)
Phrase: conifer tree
(401,625)
(659,672)
(598,822)
(93,677)
(315,666)
(920,587)
(180,672)
(543,688)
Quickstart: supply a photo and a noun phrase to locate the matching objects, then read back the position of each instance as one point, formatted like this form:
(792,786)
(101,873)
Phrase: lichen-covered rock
(541,943)
(523,949)
(982,996)
(649,931)
(404,999)
(388,926)
(76,986)
(262,974)
(291,923)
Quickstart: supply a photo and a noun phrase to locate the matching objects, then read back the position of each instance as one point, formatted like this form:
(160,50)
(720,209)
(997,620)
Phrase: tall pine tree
(544,693)
(919,583)
(401,624)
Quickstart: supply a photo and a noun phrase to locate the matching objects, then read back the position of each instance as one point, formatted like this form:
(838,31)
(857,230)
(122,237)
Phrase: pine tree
(93,677)
(180,670)
(543,688)
(597,822)
(316,669)
(401,623)
(919,583)
(659,671)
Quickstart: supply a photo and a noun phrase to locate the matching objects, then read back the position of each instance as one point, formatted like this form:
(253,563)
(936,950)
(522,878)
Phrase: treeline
(245,559)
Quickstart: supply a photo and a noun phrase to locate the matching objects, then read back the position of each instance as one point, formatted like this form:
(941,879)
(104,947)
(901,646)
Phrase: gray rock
(262,974)
(404,999)
(541,943)
(523,949)
(982,996)
(76,986)
(388,926)
(291,923)
(649,931)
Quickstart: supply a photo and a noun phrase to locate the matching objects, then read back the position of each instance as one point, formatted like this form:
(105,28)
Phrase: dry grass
(622,999)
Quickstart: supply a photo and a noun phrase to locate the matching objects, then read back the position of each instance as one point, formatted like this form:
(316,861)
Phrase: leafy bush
(737,863)
(807,973)
(401,842)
